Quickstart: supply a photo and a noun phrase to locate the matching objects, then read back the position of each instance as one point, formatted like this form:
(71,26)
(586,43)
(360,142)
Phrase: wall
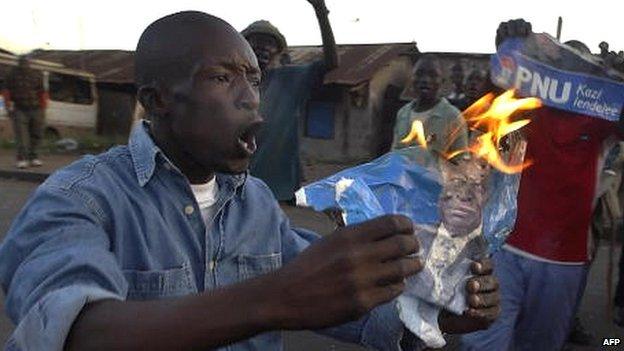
(116,107)
(356,118)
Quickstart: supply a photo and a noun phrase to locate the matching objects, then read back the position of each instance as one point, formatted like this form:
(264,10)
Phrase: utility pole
(559,25)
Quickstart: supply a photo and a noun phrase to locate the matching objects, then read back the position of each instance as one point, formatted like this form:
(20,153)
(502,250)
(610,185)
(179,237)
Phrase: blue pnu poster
(538,66)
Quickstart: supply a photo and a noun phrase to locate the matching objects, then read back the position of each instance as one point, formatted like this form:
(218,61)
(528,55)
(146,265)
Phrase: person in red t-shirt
(542,267)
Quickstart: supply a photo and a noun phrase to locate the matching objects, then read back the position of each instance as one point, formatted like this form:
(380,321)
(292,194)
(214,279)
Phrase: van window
(68,88)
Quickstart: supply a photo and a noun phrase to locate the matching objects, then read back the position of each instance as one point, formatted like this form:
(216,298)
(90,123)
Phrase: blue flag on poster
(568,81)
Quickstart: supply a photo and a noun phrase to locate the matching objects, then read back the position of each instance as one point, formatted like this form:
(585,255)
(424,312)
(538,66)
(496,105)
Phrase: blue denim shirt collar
(145,153)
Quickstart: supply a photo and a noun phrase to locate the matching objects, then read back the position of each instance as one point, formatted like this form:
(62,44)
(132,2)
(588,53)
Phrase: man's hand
(346,274)
(513,28)
(483,300)
(335,215)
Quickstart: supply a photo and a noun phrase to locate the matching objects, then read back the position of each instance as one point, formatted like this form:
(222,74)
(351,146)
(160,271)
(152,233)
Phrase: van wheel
(51,134)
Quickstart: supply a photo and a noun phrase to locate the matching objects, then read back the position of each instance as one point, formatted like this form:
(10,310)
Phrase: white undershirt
(206,197)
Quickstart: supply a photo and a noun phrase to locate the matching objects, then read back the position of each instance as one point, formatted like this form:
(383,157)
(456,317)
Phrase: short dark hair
(165,51)
(428,58)
(578,45)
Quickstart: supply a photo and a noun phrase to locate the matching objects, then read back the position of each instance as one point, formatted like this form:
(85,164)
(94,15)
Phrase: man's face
(265,47)
(426,81)
(461,203)
(457,77)
(214,112)
(475,84)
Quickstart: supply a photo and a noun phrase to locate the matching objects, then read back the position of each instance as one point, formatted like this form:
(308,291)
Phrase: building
(351,118)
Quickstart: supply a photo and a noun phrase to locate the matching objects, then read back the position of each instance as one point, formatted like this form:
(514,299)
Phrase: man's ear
(153,100)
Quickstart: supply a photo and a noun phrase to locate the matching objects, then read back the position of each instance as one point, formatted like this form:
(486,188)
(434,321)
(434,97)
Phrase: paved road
(13,195)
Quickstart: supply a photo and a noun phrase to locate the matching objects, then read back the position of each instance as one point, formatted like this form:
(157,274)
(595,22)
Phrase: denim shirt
(125,225)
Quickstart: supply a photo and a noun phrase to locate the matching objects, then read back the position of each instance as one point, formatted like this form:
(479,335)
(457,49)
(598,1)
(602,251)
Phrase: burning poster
(463,204)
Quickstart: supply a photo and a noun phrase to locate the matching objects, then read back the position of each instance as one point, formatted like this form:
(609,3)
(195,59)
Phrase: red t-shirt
(556,193)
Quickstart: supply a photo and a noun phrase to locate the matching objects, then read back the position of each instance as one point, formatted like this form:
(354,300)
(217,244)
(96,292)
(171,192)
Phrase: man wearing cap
(284,91)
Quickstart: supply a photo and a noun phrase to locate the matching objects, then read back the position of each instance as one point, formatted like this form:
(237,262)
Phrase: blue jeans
(538,301)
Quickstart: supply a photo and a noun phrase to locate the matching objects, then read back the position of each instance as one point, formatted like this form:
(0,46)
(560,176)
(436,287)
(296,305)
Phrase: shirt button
(189,210)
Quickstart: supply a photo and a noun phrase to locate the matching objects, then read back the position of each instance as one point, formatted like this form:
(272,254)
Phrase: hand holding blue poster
(562,77)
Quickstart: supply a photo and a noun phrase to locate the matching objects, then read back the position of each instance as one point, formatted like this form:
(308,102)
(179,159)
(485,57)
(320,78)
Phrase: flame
(492,115)
(416,133)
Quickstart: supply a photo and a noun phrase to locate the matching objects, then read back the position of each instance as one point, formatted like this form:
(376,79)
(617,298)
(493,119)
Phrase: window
(320,120)
(68,88)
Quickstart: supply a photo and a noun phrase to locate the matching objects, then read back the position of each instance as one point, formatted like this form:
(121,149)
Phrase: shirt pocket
(250,266)
(157,284)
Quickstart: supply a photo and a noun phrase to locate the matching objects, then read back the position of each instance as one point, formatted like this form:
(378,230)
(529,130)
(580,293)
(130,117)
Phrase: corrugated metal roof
(9,60)
(108,66)
(358,63)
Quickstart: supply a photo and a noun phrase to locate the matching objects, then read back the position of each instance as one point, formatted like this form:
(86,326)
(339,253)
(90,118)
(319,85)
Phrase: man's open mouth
(247,139)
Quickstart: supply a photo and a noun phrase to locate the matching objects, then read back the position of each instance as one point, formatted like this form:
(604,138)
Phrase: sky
(435,25)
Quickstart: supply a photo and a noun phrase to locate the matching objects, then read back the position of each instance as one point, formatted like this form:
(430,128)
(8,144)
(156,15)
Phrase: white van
(72,101)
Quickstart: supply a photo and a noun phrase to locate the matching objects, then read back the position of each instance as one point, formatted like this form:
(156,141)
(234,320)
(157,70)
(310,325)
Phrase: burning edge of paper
(492,116)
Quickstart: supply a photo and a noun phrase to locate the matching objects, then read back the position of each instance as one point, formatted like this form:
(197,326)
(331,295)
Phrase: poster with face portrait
(462,211)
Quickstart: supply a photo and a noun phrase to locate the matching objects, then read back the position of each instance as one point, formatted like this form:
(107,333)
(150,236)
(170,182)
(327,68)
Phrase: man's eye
(448,195)
(221,78)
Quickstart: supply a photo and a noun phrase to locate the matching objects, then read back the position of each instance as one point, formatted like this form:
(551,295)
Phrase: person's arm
(330,52)
(401,127)
(58,271)
(6,93)
(339,278)
(204,321)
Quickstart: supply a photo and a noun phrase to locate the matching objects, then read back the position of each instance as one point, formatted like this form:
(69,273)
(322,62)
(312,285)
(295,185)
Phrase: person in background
(475,87)
(445,129)
(25,99)
(457,79)
(605,205)
(285,91)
